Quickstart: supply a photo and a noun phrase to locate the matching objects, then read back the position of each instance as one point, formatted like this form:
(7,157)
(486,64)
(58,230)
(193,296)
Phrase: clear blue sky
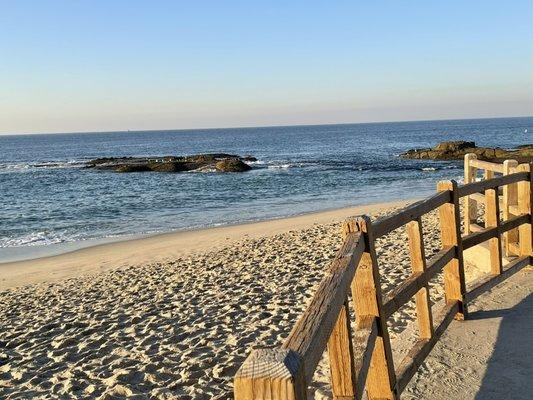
(117,65)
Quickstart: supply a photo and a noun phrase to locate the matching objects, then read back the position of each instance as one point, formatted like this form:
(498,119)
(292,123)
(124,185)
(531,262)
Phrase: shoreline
(164,246)
(57,249)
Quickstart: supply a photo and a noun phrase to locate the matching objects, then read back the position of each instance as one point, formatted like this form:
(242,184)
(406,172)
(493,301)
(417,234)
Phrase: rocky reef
(219,162)
(456,150)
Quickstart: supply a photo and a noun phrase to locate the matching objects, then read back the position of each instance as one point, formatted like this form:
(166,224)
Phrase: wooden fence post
(470,204)
(340,347)
(450,227)
(270,374)
(510,193)
(524,206)
(366,294)
(418,263)
(492,220)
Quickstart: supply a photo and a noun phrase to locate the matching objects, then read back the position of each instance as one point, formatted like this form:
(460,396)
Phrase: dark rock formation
(208,162)
(232,165)
(457,150)
(454,146)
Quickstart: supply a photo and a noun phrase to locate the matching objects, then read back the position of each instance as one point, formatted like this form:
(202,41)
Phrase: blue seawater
(48,199)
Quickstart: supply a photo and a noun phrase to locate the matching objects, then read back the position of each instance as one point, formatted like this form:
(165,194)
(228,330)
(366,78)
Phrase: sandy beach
(173,316)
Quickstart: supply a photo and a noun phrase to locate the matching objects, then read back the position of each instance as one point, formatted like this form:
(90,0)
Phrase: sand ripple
(178,329)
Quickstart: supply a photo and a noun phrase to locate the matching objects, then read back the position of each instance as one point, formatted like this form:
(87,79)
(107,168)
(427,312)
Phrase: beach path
(488,356)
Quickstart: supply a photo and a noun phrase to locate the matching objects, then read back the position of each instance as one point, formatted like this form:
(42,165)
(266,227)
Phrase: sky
(77,66)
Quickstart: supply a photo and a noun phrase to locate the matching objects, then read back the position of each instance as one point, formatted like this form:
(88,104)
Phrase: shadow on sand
(509,373)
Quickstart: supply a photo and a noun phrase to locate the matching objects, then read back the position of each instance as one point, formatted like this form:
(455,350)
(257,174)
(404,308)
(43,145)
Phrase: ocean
(51,205)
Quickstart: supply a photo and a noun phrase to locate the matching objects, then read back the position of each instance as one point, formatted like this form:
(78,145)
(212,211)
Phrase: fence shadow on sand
(510,367)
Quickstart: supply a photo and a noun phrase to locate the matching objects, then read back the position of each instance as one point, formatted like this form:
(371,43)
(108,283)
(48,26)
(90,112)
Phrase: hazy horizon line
(260,126)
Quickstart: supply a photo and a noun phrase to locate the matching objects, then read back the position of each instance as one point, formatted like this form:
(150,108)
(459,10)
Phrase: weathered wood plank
(363,343)
(487,166)
(450,227)
(485,283)
(492,220)
(524,206)
(341,357)
(387,224)
(510,199)
(366,294)
(479,237)
(340,348)
(485,234)
(470,203)
(418,264)
(481,186)
(514,222)
(418,353)
(310,334)
(270,374)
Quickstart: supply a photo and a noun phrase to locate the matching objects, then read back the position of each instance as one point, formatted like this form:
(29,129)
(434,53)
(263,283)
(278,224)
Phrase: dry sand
(174,316)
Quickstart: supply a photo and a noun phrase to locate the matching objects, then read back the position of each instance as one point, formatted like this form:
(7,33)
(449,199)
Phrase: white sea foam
(40,238)
(203,170)
(429,169)
(280,166)
(24,166)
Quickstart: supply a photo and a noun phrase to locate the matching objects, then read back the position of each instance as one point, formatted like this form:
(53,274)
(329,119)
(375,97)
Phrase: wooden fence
(362,359)
(508,204)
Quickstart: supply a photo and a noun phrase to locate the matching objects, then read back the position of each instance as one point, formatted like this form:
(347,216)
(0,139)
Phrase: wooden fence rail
(362,360)
(508,203)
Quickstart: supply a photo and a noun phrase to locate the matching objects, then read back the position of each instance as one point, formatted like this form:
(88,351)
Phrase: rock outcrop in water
(456,150)
(201,162)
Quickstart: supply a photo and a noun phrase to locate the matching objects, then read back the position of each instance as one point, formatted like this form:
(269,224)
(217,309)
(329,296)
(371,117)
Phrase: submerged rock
(202,162)
(456,150)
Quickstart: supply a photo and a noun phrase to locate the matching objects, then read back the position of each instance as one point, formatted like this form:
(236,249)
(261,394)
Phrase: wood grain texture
(384,225)
(524,207)
(470,204)
(364,341)
(340,347)
(481,186)
(492,220)
(341,357)
(273,374)
(454,275)
(418,264)
(367,297)
(479,237)
(514,222)
(487,166)
(510,199)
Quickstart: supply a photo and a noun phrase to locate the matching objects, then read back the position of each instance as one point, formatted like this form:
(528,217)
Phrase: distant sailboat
(525,130)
